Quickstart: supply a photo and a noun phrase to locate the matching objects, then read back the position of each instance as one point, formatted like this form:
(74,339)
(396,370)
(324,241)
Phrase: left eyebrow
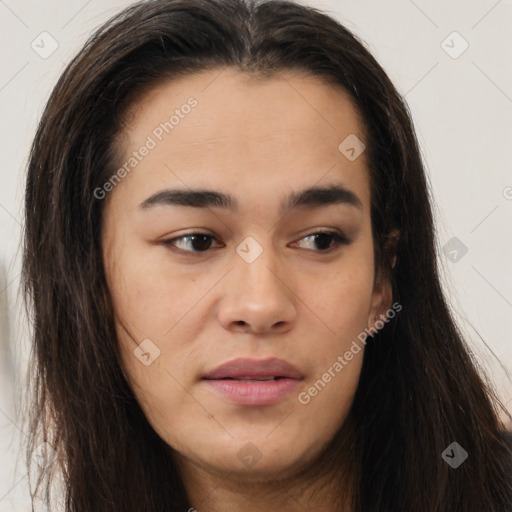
(202,198)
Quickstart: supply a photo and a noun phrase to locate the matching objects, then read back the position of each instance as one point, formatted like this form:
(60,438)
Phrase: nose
(258,297)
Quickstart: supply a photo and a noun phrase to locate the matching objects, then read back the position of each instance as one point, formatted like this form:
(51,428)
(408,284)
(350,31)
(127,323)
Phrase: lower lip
(254,392)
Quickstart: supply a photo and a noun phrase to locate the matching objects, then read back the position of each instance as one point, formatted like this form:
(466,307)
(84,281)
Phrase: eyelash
(338,238)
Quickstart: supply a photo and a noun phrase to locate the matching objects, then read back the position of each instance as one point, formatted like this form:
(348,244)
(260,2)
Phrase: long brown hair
(419,389)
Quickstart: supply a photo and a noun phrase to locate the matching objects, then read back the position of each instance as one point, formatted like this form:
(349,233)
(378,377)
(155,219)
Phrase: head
(265,126)
(293,294)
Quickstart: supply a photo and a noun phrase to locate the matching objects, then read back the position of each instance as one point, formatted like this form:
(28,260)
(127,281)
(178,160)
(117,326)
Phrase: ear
(382,297)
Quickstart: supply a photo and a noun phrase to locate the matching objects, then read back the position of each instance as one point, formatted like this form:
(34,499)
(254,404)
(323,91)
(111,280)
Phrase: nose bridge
(258,268)
(258,296)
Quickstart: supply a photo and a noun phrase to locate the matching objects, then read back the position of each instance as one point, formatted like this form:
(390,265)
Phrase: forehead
(226,127)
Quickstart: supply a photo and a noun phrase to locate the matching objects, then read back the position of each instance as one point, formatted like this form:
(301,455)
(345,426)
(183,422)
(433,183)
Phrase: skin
(258,140)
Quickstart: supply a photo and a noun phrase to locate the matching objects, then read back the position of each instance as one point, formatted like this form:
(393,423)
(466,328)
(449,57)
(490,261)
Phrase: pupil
(323,237)
(204,242)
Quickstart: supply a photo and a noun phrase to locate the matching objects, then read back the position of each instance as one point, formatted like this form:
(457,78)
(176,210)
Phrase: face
(238,310)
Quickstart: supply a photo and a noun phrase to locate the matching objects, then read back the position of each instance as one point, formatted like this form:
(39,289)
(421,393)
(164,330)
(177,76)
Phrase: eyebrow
(203,198)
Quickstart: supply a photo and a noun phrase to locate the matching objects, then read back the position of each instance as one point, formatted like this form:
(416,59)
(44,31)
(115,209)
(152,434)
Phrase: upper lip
(245,368)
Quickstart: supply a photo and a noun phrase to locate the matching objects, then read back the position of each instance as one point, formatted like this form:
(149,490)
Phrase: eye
(321,238)
(200,242)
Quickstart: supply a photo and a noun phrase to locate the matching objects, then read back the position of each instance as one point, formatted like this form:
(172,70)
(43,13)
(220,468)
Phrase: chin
(255,459)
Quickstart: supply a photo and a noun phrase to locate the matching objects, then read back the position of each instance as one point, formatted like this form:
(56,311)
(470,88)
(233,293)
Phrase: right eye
(200,242)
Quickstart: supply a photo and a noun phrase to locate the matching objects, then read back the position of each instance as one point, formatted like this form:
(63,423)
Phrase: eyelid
(327,231)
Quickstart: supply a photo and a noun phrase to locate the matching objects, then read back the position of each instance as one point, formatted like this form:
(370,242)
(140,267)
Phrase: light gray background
(462,109)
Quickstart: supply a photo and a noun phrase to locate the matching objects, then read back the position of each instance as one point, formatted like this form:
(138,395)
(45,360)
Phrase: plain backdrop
(451,60)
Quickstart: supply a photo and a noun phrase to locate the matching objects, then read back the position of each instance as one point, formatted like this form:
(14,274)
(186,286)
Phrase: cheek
(325,400)
(147,306)
(327,396)
(343,304)
(342,300)
(149,297)
(160,387)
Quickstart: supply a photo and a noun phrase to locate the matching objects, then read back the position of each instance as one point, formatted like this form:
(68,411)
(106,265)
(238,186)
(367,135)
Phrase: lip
(254,381)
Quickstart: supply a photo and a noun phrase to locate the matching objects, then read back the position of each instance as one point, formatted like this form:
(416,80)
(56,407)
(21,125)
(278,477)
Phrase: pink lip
(246,381)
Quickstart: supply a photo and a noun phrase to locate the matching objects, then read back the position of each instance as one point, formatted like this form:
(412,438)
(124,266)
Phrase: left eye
(201,242)
(322,239)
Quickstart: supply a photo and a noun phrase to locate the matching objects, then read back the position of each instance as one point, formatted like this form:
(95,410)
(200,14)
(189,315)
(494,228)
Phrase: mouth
(250,379)
(254,369)
(253,382)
